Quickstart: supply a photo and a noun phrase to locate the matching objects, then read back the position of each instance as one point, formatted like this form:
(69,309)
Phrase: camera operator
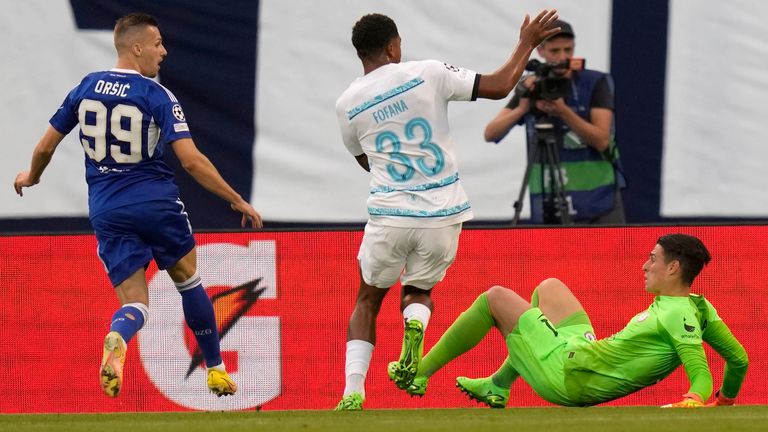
(583,131)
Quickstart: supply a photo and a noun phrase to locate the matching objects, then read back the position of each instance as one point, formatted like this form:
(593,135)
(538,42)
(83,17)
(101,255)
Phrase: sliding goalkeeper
(552,345)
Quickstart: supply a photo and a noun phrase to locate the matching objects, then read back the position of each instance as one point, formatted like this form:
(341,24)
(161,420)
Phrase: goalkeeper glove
(721,400)
(690,400)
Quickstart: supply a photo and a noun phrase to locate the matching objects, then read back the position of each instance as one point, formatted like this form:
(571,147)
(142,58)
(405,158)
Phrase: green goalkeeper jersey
(653,344)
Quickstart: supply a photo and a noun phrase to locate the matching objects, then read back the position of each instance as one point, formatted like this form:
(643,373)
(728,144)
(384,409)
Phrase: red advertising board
(288,296)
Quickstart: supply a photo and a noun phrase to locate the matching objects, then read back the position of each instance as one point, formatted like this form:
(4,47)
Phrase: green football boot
(403,370)
(350,402)
(418,386)
(484,390)
(392,369)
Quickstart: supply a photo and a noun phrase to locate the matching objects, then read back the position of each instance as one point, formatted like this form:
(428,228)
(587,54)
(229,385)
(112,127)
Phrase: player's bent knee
(497,293)
(496,290)
(551,284)
(184,268)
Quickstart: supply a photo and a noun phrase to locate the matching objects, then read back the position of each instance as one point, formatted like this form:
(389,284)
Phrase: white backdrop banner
(44,57)
(713,161)
(715,153)
(306,60)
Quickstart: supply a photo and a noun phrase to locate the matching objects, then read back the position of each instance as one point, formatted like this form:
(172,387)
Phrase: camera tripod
(545,151)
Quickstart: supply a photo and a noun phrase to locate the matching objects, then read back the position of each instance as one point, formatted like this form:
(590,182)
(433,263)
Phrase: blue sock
(198,311)
(128,320)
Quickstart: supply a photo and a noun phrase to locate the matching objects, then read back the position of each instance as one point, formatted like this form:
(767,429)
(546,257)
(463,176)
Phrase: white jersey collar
(130,71)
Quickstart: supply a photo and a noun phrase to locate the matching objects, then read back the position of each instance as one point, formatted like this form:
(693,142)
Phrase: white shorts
(418,256)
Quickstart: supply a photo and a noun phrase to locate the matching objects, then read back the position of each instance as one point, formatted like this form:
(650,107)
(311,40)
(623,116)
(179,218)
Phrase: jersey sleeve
(694,362)
(719,337)
(348,134)
(454,83)
(712,315)
(681,327)
(65,118)
(168,115)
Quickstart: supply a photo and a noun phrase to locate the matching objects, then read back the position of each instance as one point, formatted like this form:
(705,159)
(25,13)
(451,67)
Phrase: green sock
(506,375)
(466,332)
(535,298)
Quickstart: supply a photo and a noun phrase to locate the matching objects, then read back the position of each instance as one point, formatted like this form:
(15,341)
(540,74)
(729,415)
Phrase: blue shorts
(129,237)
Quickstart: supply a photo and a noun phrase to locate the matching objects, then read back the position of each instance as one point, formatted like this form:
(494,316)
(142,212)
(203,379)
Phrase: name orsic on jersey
(112,88)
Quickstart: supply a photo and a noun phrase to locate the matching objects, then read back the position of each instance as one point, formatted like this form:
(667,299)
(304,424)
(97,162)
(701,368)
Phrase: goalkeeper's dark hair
(372,33)
(689,251)
(128,23)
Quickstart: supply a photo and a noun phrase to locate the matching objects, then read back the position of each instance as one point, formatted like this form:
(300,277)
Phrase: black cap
(565,29)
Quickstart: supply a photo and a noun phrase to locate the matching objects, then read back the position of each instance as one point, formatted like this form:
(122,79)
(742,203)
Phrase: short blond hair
(127,24)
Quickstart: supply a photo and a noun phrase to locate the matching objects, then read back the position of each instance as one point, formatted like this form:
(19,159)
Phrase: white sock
(359,354)
(417,311)
(218,367)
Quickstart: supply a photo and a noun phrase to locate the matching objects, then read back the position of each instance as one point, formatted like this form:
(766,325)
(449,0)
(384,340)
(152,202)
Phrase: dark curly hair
(372,33)
(689,251)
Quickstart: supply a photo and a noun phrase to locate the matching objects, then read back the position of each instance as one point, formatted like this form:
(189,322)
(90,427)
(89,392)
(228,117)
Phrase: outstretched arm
(203,171)
(532,32)
(41,156)
(720,338)
(696,368)
(690,351)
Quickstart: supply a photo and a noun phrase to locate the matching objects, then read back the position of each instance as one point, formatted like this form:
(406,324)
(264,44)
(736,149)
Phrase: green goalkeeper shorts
(537,350)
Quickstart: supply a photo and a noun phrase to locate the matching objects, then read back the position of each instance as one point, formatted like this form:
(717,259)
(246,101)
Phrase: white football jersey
(398,116)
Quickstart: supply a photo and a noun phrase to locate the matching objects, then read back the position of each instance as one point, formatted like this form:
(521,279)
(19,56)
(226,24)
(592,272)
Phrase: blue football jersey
(126,121)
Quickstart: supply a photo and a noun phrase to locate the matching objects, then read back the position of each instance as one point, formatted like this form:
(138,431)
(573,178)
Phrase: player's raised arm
(206,174)
(720,338)
(532,32)
(41,156)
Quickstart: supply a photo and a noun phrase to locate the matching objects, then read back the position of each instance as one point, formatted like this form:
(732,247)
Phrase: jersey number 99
(99,130)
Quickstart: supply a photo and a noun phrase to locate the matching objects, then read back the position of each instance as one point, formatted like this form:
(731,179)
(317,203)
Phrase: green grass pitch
(642,419)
